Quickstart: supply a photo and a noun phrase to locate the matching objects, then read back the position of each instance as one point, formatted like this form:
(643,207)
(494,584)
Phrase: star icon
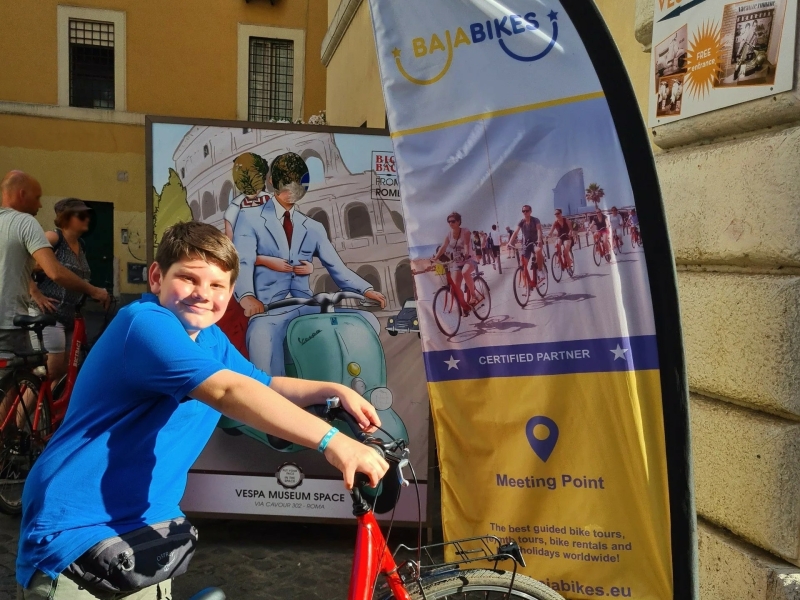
(553,15)
(619,352)
(452,363)
(396,52)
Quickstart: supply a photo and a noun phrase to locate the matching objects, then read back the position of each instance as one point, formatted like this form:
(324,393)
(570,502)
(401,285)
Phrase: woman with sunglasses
(457,244)
(72,221)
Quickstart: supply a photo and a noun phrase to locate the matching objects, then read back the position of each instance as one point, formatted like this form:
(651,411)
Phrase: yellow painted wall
(354,85)
(181,55)
(181,61)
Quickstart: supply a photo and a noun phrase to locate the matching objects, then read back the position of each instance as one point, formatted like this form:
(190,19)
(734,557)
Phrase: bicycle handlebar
(395,452)
(324,301)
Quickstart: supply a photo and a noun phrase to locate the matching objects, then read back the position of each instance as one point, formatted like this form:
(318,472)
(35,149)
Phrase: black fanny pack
(137,559)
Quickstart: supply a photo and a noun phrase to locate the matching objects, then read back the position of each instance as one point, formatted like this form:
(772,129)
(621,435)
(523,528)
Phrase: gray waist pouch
(137,559)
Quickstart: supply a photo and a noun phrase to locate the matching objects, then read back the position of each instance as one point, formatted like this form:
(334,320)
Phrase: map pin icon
(542,443)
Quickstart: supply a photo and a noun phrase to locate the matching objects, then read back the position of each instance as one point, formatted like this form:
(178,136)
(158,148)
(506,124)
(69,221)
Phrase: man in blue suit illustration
(276,243)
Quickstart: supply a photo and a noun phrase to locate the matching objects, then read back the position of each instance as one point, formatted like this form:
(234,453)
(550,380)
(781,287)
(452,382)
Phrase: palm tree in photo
(594,193)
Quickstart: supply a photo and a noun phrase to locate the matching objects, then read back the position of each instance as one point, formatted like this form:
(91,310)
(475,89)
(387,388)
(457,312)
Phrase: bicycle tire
(450,308)
(522,291)
(571,267)
(542,286)
(484,307)
(483,584)
(555,266)
(18,454)
(596,255)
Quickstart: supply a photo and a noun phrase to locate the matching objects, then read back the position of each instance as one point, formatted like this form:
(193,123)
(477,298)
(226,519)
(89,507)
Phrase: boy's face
(195,291)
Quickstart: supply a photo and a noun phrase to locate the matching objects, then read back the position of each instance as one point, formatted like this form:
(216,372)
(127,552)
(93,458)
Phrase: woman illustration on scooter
(458,243)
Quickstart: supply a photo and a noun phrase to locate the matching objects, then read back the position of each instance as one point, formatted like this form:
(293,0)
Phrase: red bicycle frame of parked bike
(57,407)
(372,558)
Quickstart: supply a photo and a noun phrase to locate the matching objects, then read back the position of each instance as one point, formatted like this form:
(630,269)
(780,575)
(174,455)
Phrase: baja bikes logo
(502,29)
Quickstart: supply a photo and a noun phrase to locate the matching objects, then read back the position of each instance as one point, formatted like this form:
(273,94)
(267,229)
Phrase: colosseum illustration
(367,233)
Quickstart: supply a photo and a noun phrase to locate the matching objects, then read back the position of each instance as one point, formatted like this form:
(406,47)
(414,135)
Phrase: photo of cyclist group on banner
(324,289)
(544,257)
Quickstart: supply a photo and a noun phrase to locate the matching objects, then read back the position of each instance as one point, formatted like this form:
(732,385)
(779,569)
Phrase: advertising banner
(553,358)
(340,229)
(714,53)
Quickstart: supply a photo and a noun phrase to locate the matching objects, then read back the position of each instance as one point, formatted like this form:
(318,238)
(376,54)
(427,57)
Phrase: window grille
(91,64)
(271,73)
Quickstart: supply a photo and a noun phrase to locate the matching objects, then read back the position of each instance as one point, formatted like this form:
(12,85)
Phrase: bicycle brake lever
(403,463)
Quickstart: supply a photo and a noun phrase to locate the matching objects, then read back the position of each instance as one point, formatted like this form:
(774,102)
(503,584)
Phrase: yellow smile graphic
(404,73)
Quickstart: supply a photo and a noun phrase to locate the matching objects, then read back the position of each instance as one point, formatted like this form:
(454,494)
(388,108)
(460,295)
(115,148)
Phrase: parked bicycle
(452,302)
(527,277)
(37,407)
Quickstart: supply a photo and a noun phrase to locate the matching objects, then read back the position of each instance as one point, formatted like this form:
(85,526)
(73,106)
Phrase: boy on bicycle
(144,405)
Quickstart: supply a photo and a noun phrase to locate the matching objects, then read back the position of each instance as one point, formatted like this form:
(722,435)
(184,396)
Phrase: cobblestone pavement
(248,560)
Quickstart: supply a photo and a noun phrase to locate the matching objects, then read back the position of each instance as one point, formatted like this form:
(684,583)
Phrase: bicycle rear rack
(431,560)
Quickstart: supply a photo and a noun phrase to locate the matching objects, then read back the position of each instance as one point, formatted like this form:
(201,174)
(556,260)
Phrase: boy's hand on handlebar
(362,411)
(351,457)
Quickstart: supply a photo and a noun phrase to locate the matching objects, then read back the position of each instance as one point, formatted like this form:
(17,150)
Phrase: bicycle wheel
(522,291)
(543,282)
(597,254)
(617,247)
(446,311)
(484,307)
(20,447)
(483,584)
(555,265)
(571,267)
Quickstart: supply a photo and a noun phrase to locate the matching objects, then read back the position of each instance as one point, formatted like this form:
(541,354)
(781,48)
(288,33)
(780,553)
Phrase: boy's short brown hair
(193,239)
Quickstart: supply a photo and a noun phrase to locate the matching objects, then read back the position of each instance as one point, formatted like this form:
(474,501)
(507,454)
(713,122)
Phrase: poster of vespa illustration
(312,213)
(715,53)
(533,293)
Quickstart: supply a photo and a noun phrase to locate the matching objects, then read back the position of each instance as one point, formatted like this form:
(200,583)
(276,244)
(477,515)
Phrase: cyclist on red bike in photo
(633,223)
(144,405)
(562,229)
(457,245)
(599,224)
(532,238)
(615,223)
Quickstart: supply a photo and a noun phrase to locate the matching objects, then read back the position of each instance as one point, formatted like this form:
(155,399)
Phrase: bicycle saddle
(209,594)
(28,322)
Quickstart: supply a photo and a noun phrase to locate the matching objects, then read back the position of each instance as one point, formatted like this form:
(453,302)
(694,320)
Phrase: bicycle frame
(372,558)
(79,340)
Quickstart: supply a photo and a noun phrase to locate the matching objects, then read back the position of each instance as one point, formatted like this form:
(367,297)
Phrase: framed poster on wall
(311,210)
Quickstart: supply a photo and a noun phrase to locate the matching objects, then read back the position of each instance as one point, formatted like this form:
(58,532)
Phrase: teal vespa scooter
(333,346)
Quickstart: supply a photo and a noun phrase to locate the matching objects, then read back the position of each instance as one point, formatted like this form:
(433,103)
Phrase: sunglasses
(526,211)
(83,216)
(452,221)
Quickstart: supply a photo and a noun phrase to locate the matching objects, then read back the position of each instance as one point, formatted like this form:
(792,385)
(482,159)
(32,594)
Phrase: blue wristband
(325,440)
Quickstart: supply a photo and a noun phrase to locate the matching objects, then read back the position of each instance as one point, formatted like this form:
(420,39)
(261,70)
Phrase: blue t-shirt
(120,459)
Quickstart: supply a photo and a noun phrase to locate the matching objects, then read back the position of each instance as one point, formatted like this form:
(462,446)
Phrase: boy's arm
(249,401)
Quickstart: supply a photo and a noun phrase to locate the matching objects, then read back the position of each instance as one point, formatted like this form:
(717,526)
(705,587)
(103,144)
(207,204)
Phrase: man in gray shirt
(22,245)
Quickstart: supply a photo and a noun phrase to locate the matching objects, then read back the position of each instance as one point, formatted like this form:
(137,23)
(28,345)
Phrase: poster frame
(432,521)
(638,154)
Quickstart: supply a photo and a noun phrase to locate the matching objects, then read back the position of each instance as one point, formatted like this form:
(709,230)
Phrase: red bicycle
(452,302)
(34,407)
(636,237)
(417,573)
(528,277)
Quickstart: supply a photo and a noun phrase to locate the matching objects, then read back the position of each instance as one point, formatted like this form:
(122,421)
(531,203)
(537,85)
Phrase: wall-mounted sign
(714,53)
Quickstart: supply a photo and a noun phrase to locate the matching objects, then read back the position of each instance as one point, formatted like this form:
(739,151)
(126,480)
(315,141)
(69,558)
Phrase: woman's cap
(71,205)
